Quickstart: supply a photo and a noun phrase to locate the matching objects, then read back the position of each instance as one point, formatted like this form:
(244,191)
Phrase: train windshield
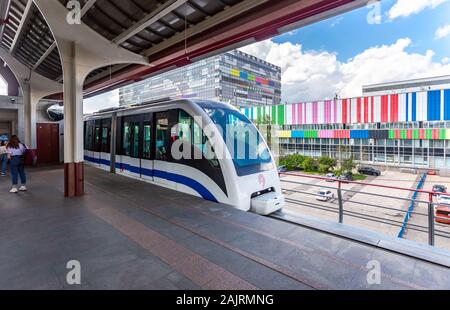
(249,152)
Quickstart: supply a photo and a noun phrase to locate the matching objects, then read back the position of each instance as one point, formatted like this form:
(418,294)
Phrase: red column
(73,179)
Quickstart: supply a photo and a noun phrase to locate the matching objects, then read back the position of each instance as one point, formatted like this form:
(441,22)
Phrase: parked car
(440,189)
(369,171)
(345,177)
(443,199)
(444,215)
(282,169)
(330,177)
(324,195)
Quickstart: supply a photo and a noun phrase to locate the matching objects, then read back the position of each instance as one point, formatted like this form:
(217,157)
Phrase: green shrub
(338,172)
(292,162)
(326,163)
(323,168)
(309,164)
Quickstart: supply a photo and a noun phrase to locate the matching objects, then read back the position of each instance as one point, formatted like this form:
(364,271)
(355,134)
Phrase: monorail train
(145,142)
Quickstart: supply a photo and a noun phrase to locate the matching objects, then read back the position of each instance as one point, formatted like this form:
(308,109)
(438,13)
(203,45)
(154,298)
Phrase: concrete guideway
(130,234)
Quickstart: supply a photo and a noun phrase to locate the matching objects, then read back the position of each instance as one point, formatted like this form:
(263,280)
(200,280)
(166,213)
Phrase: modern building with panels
(234,77)
(404,124)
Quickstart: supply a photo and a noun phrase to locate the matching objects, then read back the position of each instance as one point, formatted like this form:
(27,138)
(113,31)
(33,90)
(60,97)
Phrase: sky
(389,41)
(3,87)
(397,40)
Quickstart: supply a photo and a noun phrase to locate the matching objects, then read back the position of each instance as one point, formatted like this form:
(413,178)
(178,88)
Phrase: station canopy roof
(157,29)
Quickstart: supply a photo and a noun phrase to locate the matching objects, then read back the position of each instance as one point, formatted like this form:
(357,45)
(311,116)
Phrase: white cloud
(446,60)
(312,75)
(405,8)
(103,101)
(442,32)
(336,21)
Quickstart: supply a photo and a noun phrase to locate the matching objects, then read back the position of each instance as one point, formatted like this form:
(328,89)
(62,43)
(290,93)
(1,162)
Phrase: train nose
(267,203)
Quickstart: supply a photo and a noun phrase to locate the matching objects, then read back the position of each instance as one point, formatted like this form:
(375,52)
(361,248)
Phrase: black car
(345,177)
(369,171)
(439,188)
(282,169)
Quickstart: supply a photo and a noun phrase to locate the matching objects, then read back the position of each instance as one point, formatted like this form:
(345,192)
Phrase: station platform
(128,234)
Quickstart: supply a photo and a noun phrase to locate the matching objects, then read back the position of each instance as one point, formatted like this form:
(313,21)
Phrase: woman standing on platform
(16,153)
(3,158)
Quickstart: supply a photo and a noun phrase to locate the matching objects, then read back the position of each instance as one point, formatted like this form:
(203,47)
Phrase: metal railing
(348,202)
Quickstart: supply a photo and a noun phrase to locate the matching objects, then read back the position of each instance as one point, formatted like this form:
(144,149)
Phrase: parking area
(377,209)
(422,207)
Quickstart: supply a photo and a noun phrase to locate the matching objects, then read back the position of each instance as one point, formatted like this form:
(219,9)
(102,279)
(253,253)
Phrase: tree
(348,165)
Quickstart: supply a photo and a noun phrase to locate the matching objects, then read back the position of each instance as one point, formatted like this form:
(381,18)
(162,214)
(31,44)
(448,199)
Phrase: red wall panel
(358,110)
(366,110)
(344,111)
(394,108)
(372,115)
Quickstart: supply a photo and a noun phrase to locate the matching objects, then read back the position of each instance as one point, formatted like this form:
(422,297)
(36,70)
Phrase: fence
(366,202)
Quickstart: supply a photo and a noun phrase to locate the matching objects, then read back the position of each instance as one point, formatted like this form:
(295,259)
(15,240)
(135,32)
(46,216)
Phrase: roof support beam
(89,4)
(47,52)
(220,17)
(4,11)
(22,22)
(149,19)
(87,7)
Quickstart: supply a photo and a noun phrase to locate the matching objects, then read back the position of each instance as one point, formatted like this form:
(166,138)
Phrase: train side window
(135,145)
(161,142)
(97,146)
(86,135)
(200,141)
(146,148)
(184,127)
(105,140)
(126,139)
(89,140)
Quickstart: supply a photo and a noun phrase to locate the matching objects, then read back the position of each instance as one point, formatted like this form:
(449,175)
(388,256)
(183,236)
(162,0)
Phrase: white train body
(142,141)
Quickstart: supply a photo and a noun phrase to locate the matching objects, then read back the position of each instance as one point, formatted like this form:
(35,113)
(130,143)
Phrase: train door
(131,136)
(88,141)
(97,143)
(147,163)
(161,155)
(105,156)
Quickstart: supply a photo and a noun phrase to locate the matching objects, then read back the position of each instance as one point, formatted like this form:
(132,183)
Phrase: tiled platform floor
(128,234)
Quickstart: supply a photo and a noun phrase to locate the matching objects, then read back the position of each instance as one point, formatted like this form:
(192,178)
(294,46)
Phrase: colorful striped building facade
(403,129)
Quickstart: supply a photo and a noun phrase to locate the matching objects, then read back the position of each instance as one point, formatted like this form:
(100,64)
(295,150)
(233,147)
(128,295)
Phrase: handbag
(29,157)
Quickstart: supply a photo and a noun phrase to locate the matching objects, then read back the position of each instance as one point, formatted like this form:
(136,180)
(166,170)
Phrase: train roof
(157,103)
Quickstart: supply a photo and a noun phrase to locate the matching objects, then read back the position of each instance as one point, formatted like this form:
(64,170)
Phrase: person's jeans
(4,163)
(17,169)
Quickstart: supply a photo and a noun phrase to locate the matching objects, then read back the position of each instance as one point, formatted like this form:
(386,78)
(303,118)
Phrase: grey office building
(234,77)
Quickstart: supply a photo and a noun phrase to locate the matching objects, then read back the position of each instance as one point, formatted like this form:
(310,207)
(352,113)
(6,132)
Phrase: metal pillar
(341,203)
(431,238)
(113,143)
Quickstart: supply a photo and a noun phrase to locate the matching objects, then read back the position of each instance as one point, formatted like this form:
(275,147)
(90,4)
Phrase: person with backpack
(3,158)
(16,152)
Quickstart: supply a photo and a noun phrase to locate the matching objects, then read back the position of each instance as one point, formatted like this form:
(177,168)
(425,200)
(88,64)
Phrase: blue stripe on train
(181,179)
(97,161)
